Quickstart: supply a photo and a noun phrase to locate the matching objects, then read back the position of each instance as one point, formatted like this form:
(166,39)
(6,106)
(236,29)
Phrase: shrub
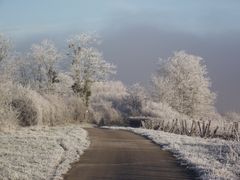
(161,111)
(108,91)
(129,106)
(104,94)
(105,114)
(232,117)
(27,114)
(8,117)
(25,107)
(76,108)
(32,107)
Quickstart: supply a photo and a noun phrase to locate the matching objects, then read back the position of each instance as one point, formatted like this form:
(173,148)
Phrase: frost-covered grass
(40,153)
(211,158)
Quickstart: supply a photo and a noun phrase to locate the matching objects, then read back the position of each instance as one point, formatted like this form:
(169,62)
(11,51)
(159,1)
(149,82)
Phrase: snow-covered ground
(40,153)
(212,158)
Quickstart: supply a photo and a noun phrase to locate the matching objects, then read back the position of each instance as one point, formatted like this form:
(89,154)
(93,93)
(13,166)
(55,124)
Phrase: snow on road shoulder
(212,158)
(40,153)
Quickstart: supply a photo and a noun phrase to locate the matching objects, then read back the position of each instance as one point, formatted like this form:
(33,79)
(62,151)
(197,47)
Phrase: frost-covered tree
(135,100)
(46,57)
(4,47)
(21,68)
(64,86)
(88,64)
(132,103)
(182,82)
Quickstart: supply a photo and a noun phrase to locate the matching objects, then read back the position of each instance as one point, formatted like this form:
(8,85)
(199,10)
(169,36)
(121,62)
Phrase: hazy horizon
(136,34)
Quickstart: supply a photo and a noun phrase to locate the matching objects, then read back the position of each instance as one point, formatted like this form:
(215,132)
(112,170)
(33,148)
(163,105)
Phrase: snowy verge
(40,153)
(211,158)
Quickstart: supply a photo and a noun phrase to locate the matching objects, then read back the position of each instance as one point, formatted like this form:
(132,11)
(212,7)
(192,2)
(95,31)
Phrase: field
(40,152)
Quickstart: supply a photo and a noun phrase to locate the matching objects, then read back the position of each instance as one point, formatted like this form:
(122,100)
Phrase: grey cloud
(135,50)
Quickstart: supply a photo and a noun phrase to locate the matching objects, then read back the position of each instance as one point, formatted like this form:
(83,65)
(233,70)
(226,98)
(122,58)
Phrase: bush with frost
(232,117)
(21,106)
(108,91)
(132,103)
(51,109)
(104,94)
(76,109)
(161,111)
(105,114)
(8,117)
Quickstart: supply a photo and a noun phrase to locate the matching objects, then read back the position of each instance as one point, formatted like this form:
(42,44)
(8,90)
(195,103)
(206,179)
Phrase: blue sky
(137,32)
(25,17)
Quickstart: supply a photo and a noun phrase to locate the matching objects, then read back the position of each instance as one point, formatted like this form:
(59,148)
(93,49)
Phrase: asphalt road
(122,155)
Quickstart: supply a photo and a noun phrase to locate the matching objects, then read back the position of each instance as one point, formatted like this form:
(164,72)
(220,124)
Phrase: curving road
(122,155)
